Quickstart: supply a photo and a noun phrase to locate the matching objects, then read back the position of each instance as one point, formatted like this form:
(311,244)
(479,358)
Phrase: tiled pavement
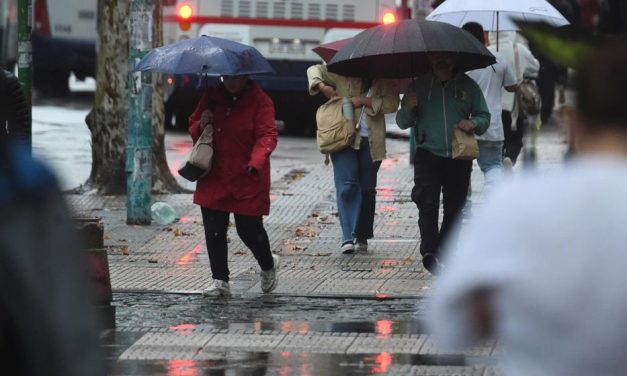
(303,228)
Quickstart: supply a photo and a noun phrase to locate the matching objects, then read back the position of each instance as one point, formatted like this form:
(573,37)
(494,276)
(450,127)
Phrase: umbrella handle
(361,115)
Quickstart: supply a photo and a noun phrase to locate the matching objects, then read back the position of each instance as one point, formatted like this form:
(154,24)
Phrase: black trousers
(513,138)
(434,175)
(249,228)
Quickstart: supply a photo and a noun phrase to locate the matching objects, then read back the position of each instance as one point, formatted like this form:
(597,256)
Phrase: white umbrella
(495,15)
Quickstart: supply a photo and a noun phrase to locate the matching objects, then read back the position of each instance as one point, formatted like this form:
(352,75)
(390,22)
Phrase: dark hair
(601,84)
(476,30)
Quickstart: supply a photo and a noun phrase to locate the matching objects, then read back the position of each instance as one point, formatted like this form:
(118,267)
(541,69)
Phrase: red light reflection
(183,328)
(190,256)
(384,328)
(182,368)
(389,163)
(285,367)
(295,326)
(385,191)
(384,361)
(387,208)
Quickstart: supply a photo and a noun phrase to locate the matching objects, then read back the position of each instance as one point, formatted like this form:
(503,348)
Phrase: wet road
(305,317)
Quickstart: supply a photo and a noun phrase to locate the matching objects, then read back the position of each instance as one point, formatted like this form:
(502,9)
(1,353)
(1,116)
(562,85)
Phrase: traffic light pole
(139,149)
(25,57)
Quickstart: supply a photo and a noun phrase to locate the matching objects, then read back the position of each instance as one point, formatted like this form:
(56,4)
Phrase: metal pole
(25,57)
(139,150)
(405,14)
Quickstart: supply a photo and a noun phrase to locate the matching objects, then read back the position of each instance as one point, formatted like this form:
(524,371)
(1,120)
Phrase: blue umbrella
(205,55)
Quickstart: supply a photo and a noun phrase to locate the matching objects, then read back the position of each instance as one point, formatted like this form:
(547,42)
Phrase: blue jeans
(356,190)
(490,161)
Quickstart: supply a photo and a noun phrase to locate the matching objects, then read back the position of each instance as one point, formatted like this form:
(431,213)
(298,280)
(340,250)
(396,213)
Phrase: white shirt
(553,248)
(513,47)
(492,80)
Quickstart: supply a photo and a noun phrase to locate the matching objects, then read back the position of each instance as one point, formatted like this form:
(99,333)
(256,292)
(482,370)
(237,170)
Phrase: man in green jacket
(435,104)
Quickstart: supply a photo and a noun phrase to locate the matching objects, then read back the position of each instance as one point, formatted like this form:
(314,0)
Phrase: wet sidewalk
(303,229)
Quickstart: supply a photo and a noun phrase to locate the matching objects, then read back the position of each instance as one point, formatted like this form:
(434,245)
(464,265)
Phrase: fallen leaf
(239,253)
(312,233)
(153,261)
(124,250)
(314,214)
(407,260)
(177,232)
(106,237)
(323,254)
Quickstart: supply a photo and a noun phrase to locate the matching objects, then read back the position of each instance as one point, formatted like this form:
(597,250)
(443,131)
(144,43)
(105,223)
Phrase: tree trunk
(108,120)
(162,179)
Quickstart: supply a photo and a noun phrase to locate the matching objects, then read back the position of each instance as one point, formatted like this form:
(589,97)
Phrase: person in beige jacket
(355,168)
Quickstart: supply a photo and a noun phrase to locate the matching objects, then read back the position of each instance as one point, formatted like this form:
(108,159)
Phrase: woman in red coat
(244,136)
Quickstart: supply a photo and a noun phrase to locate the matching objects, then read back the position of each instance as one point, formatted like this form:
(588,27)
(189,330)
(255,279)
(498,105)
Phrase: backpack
(529,98)
(334,131)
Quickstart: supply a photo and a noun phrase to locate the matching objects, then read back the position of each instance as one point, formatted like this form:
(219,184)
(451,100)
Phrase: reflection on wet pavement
(191,335)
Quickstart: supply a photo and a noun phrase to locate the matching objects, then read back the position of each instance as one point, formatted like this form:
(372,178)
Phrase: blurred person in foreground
(355,168)
(435,104)
(47,326)
(244,136)
(549,281)
(492,80)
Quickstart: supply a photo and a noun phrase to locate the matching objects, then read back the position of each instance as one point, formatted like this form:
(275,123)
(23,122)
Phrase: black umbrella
(400,50)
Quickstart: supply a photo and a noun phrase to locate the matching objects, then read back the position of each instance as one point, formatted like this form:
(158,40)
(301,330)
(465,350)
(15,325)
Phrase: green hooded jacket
(440,108)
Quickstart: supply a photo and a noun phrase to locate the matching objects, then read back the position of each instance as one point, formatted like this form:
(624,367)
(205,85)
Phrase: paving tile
(368,343)
(243,341)
(164,346)
(325,343)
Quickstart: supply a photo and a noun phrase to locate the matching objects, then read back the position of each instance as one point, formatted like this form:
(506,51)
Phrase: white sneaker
(270,278)
(507,164)
(218,289)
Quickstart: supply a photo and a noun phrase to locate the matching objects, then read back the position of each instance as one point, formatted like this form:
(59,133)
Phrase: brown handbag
(465,146)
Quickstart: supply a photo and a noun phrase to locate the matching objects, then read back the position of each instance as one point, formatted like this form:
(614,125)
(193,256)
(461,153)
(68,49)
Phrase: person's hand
(327,90)
(206,118)
(412,100)
(466,126)
(251,170)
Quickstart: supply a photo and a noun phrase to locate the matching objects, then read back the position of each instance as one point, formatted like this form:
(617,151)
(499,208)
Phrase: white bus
(284,31)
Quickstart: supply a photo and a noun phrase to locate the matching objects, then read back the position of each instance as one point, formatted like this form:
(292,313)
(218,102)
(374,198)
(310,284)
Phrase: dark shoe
(348,247)
(432,263)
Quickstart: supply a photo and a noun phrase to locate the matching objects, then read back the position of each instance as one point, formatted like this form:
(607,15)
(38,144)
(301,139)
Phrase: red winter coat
(244,134)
